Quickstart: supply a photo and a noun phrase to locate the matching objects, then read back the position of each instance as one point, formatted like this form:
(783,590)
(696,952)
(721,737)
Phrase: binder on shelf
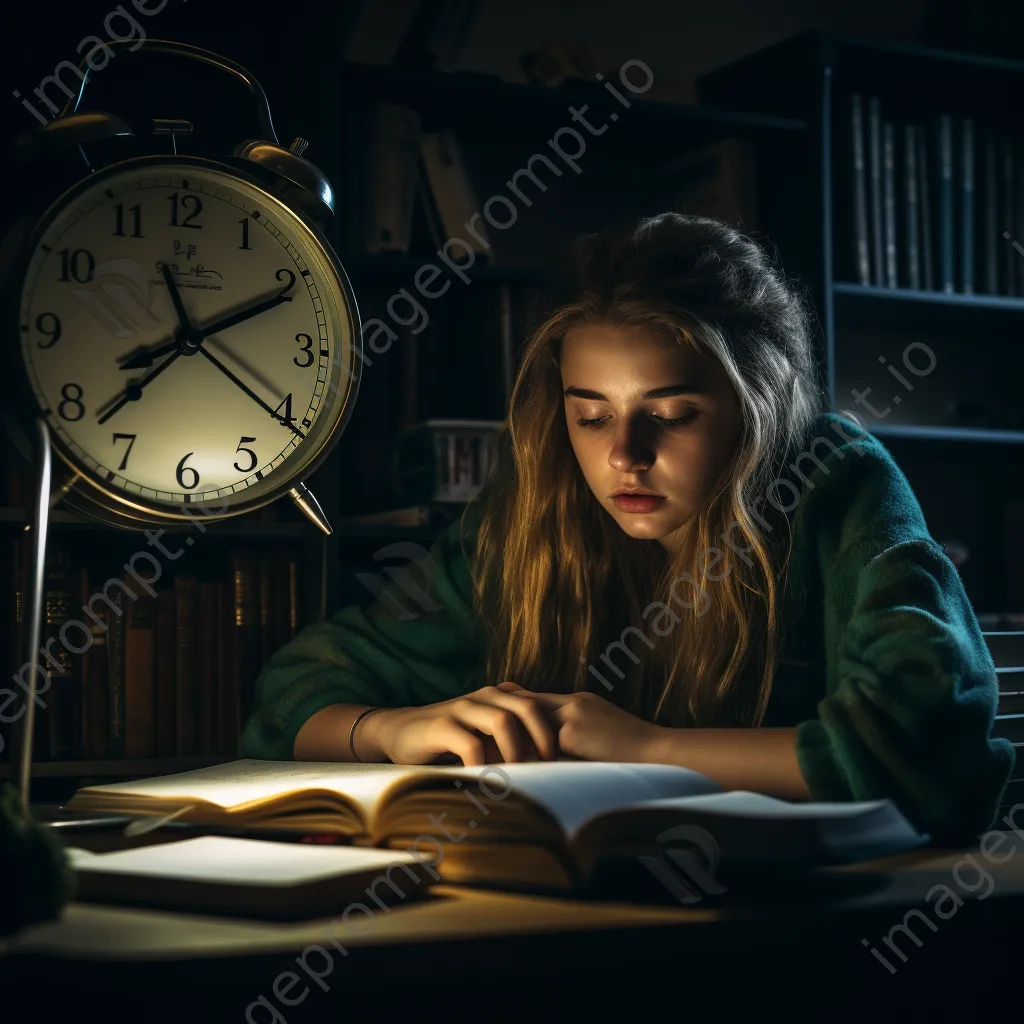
(1007,212)
(912,213)
(452,192)
(991,237)
(889,203)
(967,205)
(875,193)
(1017,229)
(392,174)
(862,257)
(924,198)
(947,278)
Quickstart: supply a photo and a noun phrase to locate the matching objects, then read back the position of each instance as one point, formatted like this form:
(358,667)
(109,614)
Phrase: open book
(529,825)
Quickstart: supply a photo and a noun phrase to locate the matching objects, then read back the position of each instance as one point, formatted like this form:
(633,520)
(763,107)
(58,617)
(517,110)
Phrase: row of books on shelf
(140,671)
(406,171)
(937,202)
(414,183)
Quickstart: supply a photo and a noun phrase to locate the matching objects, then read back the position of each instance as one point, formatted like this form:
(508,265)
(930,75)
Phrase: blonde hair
(559,585)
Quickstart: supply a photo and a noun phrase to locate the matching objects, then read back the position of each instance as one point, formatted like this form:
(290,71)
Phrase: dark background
(972,492)
(297,51)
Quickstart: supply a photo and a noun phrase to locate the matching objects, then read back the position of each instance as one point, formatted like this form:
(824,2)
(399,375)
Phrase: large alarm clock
(185,328)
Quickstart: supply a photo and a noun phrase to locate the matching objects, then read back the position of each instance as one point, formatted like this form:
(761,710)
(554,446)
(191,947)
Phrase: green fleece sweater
(884,671)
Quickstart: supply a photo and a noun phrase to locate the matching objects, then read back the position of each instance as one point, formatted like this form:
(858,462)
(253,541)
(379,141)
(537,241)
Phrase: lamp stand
(37,589)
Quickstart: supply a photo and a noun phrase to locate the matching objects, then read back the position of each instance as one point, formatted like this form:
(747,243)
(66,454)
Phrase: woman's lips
(638,502)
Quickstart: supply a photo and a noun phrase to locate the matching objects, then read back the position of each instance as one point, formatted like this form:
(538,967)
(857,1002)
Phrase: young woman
(678,559)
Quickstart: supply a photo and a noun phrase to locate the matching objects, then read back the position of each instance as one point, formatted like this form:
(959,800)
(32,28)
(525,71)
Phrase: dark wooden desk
(795,948)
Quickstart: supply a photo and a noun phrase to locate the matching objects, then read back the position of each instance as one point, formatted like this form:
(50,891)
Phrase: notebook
(250,877)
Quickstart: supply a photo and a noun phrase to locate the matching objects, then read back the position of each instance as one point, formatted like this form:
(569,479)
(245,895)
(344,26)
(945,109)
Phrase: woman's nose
(631,451)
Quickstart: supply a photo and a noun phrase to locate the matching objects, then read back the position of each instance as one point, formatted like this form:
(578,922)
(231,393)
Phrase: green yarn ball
(37,878)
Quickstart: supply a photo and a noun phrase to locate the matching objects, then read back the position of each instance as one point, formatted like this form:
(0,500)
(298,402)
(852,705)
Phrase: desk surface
(509,934)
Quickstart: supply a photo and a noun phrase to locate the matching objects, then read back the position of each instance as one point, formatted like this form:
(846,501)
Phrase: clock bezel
(130,510)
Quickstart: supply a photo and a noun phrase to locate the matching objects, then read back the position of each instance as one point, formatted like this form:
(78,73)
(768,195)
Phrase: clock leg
(58,494)
(306,500)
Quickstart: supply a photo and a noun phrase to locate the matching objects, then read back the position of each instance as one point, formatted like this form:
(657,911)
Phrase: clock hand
(133,392)
(176,298)
(252,394)
(143,359)
(245,314)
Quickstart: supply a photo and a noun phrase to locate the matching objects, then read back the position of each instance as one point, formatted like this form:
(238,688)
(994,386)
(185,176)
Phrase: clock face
(188,338)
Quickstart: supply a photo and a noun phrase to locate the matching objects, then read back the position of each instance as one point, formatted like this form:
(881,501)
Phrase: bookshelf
(958,432)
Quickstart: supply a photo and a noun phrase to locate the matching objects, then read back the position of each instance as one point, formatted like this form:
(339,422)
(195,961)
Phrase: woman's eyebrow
(666,392)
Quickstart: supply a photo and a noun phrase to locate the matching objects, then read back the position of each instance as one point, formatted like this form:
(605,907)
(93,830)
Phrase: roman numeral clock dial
(188,337)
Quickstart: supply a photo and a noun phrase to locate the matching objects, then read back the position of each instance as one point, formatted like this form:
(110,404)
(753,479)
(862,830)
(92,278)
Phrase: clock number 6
(183,469)
(249,452)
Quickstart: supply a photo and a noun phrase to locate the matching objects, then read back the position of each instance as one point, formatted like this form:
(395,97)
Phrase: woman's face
(649,417)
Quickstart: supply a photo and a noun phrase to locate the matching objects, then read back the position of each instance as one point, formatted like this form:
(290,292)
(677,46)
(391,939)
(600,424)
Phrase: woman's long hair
(570,601)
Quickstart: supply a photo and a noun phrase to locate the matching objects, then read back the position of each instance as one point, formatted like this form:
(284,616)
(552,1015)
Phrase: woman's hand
(483,727)
(590,727)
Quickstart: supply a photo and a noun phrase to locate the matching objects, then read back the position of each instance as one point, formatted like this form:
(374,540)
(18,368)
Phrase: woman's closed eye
(666,421)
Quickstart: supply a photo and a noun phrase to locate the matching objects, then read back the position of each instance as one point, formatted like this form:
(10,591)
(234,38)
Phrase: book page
(229,861)
(839,825)
(573,791)
(246,781)
(742,804)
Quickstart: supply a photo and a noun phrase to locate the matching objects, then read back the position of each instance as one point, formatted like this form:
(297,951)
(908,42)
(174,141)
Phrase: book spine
(967,207)
(889,201)
(87,656)
(140,677)
(280,612)
(946,250)
(166,671)
(860,199)
(115,673)
(394,167)
(185,676)
(208,630)
(264,565)
(1018,228)
(1008,213)
(247,630)
(453,194)
(96,683)
(294,608)
(912,228)
(228,673)
(64,698)
(927,212)
(990,193)
(875,174)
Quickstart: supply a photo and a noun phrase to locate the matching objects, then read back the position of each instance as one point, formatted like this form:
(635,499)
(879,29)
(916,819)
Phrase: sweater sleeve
(418,643)
(911,690)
